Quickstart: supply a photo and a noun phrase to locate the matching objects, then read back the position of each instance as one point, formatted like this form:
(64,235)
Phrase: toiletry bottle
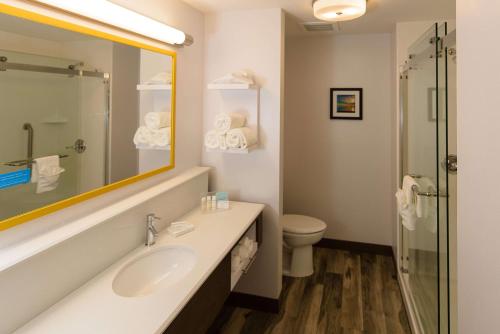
(214,203)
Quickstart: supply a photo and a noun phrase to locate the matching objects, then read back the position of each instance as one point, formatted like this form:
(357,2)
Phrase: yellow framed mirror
(84,111)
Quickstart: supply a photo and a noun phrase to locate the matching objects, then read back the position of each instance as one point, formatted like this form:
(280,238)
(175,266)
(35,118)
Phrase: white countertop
(95,308)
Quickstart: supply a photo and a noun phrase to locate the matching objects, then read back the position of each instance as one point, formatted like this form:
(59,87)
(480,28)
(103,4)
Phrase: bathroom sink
(154,270)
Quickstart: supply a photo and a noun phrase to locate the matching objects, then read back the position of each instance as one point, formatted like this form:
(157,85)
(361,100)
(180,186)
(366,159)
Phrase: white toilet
(299,234)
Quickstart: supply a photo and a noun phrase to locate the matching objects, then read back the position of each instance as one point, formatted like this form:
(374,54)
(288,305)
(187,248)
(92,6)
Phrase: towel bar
(426,194)
(19,163)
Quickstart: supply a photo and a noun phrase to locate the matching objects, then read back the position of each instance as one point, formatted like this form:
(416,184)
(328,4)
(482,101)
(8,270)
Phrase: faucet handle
(152,217)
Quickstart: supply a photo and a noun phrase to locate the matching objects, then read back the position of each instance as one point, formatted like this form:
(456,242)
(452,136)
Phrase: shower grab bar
(27,162)
(29,128)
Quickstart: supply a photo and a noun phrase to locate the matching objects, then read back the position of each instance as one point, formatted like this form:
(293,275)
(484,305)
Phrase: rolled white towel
(241,138)
(157,120)
(221,137)
(227,121)
(149,137)
(211,139)
(235,77)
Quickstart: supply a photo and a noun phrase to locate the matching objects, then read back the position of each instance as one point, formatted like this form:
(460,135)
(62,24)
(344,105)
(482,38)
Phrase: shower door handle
(451,163)
(79,146)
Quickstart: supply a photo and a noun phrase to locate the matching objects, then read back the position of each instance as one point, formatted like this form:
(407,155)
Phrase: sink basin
(153,271)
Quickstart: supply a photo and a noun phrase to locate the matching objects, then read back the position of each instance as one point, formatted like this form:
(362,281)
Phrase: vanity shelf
(142,87)
(233,150)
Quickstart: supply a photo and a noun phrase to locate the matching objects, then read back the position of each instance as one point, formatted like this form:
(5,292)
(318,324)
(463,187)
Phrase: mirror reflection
(77,113)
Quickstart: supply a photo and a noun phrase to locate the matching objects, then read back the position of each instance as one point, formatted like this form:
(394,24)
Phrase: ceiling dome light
(339,10)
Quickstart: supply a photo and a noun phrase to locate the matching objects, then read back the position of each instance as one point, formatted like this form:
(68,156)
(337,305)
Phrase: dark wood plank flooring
(348,293)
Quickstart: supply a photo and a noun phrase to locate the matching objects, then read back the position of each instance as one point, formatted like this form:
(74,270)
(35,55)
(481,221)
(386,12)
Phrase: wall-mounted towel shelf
(154,87)
(19,163)
(230,86)
(233,150)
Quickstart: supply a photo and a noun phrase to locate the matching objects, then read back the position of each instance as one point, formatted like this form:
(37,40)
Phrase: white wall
(478,182)
(340,170)
(251,40)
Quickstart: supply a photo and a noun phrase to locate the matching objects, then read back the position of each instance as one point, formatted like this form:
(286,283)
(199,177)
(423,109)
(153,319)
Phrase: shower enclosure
(51,107)
(427,254)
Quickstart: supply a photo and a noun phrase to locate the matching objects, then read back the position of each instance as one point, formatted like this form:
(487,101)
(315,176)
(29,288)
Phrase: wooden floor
(348,293)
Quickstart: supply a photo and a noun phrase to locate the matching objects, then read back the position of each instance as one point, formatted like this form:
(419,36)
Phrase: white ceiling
(381,15)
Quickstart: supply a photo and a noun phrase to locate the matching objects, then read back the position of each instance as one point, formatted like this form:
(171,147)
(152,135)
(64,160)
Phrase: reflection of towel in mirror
(157,120)
(241,138)
(149,137)
(227,121)
(212,139)
(45,173)
(161,78)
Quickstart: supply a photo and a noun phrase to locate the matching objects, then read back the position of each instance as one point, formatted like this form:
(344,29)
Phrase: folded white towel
(148,137)
(177,229)
(227,121)
(241,138)
(45,173)
(235,78)
(212,139)
(157,120)
(161,78)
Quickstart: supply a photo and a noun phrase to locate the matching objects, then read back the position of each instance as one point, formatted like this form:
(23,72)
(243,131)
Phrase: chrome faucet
(151,232)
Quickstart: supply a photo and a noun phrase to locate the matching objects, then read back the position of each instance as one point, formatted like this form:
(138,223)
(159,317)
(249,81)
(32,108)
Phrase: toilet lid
(302,224)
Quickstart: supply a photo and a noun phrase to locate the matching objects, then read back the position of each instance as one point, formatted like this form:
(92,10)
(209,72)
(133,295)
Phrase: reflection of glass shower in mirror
(79,103)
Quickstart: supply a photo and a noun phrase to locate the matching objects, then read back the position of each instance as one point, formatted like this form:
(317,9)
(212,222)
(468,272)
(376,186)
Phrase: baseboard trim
(353,246)
(258,303)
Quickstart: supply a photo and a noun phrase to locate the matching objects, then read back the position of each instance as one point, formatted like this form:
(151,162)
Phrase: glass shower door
(424,255)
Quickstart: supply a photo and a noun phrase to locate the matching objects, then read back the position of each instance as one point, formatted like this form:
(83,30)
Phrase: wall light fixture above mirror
(117,16)
(82,113)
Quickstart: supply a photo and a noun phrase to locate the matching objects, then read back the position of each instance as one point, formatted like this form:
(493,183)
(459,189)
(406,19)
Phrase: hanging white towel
(211,139)
(408,185)
(157,120)
(241,138)
(407,203)
(45,173)
(235,78)
(427,205)
(227,121)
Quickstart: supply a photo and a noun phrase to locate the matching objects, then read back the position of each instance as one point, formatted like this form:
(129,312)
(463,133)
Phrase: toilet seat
(298,224)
